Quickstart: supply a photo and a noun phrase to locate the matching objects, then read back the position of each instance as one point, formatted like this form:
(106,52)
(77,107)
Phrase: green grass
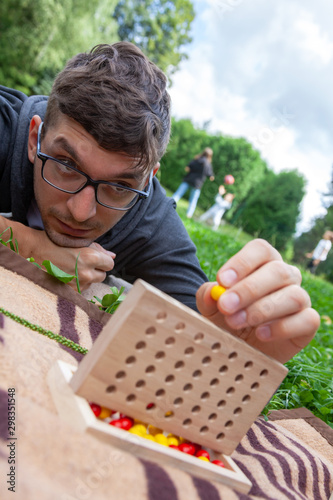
(309,382)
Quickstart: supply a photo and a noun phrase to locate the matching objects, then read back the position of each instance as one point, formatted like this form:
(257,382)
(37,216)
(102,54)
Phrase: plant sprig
(111,301)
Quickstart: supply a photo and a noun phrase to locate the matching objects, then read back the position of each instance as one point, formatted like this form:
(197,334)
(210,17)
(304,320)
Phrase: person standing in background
(319,254)
(197,171)
(216,211)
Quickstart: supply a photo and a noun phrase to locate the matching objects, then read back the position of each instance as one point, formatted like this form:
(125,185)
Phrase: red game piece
(122,423)
(218,462)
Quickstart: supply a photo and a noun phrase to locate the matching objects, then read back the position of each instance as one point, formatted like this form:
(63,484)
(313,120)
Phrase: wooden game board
(160,362)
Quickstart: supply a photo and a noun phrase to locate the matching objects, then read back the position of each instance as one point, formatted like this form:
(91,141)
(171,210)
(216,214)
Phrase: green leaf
(56,272)
(109,299)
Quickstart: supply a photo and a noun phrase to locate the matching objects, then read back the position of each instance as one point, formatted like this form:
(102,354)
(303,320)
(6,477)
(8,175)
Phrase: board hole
(160,355)
(237,411)
(130,360)
(189,351)
(246,399)
(221,404)
(198,337)
(239,378)
(254,386)
(248,365)
(212,417)
(120,375)
(140,345)
(160,393)
(229,424)
(179,365)
(110,389)
(196,409)
(140,384)
(151,330)
(204,396)
(264,373)
(187,387)
(170,341)
(161,316)
(220,436)
(180,327)
(178,401)
(197,374)
(216,347)
(232,356)
(223,369)
(187,422)
(206,360)
(150,369)
(230,391)
(131,398)
(204,429)
(214,382)
(169,379)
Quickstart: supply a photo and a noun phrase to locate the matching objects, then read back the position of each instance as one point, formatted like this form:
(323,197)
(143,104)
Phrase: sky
(263,70)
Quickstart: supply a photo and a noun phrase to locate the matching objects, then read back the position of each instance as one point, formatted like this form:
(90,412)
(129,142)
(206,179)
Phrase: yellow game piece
(217,291)
(149,437)
(161,439)
(172,440)
(105,413)
(154,430)
(138,429)
(205,459)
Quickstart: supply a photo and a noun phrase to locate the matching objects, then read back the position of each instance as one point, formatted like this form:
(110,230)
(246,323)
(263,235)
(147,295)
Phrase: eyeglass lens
(66,179)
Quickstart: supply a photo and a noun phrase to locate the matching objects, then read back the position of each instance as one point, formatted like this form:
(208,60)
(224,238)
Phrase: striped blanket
(288,457)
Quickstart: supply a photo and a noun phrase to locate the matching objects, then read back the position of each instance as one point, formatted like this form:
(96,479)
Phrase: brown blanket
(289,457)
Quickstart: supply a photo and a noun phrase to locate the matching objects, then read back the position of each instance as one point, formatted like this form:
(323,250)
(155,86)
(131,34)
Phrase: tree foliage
(233,156)
(307,241)
(272,209)
(38,36)
(159,27)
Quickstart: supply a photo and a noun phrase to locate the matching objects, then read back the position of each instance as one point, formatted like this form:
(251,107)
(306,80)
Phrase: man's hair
(119,97)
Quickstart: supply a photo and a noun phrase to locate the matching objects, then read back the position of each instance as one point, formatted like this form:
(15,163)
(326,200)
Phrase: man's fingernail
(263,333)
(229,301)
(228,278)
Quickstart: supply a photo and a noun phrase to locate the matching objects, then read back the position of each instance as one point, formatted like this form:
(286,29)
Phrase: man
(77,175)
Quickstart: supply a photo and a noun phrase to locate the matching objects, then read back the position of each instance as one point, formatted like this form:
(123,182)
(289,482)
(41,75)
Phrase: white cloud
(263,71)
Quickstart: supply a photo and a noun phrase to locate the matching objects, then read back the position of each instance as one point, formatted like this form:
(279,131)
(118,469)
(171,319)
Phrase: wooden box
(160,362)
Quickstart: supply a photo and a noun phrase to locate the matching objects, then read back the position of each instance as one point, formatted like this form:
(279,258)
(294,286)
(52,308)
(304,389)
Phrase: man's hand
(93,261)
(264,303)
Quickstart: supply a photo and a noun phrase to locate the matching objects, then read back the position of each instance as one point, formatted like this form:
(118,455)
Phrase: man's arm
(93,262)
(264,303)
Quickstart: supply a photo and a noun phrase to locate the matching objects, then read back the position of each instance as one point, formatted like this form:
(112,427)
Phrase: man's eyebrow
(63,143)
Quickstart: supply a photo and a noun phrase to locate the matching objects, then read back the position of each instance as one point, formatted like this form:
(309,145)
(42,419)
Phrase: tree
(38,36)
(233,156)
(307,241)
(272,210)
(159,27)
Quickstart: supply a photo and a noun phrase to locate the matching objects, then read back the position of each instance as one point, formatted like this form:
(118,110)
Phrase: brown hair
(206,153)
(119,97)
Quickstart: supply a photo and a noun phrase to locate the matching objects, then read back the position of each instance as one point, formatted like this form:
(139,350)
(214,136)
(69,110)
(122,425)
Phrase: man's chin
(64,240)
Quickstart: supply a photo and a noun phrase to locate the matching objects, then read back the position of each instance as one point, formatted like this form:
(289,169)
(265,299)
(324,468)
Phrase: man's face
(76,220)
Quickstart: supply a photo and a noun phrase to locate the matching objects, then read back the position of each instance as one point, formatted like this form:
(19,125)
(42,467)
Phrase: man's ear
(156,168)
(32,140)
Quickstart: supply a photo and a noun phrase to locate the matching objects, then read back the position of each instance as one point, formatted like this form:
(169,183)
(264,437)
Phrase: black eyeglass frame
(90,182)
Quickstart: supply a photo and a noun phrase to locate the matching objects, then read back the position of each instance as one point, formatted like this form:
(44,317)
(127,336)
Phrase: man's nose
(82,205)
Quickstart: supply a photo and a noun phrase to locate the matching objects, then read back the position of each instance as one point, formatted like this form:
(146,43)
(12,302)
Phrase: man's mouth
(72,231)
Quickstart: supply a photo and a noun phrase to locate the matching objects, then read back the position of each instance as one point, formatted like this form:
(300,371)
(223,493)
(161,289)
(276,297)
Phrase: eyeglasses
(69,179)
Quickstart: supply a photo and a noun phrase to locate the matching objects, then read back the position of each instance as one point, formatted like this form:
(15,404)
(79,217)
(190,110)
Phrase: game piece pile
(152,433)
